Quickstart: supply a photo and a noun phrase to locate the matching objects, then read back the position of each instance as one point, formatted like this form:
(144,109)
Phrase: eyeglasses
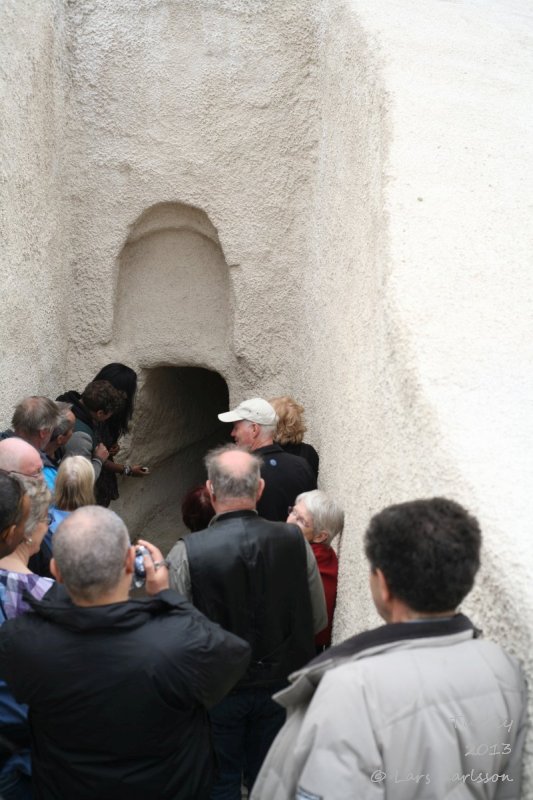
(37,474)
(303,523)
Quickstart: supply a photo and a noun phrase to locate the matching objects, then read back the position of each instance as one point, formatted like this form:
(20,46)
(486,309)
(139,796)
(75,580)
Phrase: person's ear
(383,586)
(260,490)
(54,569)
(320,537)
(129,561)
(8,535)
(209,487)
(44,435)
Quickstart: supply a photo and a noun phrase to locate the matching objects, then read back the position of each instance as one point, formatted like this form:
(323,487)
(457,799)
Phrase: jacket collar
(397,632)
(47,461)
(267,449)
(57,607)
(243,512)
(378,640)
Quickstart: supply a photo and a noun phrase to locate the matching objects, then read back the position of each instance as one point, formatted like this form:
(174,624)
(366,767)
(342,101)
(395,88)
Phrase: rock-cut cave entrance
(175,425)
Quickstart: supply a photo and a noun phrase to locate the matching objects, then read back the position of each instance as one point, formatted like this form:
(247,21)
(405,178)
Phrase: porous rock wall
(326,198)
(34,263)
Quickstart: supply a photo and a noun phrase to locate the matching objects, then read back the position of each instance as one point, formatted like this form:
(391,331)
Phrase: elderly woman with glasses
(16,582)
(321,519)
(16,578)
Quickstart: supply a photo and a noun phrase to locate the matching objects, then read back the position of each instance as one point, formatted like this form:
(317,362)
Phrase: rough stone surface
(34,264)
(322,197)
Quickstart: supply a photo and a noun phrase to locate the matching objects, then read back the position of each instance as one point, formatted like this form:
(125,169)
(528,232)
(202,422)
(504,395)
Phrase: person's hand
(138,471)
(156,569)
(101,452)
(113,450)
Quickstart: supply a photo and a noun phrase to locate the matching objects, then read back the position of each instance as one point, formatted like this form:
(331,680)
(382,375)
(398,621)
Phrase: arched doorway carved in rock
(173,323)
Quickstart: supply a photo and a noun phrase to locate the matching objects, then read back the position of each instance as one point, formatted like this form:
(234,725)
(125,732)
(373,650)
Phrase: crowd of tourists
(219,679)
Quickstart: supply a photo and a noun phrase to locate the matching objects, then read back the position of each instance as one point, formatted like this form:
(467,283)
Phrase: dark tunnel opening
(175,425)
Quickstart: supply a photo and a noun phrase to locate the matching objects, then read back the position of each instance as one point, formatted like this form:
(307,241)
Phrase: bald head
(90,549)
(238,463)
(234,477)
(18,456)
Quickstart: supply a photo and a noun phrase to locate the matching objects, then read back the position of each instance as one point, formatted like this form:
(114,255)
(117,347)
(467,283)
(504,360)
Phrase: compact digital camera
(139,571)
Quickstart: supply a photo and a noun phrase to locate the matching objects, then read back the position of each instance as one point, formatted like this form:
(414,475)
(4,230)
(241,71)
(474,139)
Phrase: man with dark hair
(435,566)
(258,579)
(117,689)
(97,403)
(420,706)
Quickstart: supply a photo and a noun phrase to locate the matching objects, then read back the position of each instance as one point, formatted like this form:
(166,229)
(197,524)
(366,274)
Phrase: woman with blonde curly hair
(291,429)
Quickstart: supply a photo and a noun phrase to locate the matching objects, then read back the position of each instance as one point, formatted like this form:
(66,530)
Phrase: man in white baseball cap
(255,410)
(285,475)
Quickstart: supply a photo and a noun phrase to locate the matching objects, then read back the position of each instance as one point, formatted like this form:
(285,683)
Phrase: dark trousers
(244,726)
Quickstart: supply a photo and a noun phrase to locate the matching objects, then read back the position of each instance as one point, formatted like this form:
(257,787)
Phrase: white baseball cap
(254,410)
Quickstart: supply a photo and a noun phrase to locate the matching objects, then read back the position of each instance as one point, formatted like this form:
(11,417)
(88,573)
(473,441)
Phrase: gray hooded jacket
(421,710)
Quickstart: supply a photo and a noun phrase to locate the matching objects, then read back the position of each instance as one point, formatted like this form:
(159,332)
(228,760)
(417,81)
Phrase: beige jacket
(414,710)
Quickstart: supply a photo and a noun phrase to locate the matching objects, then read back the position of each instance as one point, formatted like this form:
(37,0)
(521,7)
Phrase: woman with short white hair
(321,519)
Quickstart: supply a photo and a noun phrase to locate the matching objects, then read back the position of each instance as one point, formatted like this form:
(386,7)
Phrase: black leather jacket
(250,576)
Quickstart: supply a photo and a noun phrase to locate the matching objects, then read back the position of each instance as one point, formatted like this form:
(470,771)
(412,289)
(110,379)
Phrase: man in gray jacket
(418,707)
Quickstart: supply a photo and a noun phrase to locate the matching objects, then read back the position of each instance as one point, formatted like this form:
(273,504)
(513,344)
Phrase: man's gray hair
(34,414)
(269,430)
(65,423)
(90,548)
(327,515)
(229,483)
(40,499)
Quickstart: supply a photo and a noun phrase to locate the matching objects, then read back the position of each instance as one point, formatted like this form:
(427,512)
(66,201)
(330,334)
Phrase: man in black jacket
(258,579)
(285,475)
(118,689)
(98,402)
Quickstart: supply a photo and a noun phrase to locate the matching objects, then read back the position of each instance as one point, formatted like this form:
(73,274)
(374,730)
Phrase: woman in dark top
(291,429)
(125,379)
